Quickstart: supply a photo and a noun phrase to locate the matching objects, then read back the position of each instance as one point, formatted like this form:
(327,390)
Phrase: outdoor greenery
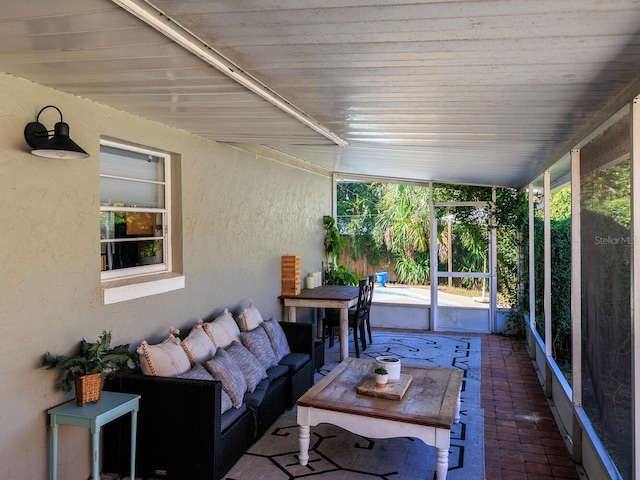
(335,273)
(607,315)
(560,226)
(402,227)
(389,225)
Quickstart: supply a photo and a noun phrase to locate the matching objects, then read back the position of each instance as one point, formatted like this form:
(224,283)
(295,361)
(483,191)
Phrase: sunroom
(256,112)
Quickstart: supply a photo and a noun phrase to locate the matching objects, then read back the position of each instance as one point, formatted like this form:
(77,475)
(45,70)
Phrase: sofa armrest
(300,337)
(178,428)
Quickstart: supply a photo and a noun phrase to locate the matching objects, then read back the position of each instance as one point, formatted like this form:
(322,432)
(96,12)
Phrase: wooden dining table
(341,297)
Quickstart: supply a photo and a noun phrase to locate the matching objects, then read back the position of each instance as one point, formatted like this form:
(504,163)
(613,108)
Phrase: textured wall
(240,214)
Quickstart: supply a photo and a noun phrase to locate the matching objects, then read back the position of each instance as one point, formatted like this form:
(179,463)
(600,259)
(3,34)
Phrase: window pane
(132,239)
(117,255)
(127,193)
(124,163)
(118,225)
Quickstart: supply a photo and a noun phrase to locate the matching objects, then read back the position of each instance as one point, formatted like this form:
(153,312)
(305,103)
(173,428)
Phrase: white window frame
(165,266)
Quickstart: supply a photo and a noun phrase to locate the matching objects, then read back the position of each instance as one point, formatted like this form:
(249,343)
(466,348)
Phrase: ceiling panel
(480,92)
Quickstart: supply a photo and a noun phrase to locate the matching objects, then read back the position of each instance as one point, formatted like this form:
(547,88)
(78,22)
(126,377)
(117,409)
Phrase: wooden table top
(430,400)
(326,292)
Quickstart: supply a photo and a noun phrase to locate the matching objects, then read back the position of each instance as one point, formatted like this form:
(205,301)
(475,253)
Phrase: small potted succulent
(381,377)
(87,369)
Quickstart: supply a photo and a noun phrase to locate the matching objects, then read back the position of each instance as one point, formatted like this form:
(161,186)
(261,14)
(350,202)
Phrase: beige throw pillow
(249,318)
(223,330)
(165,359)
(198,345)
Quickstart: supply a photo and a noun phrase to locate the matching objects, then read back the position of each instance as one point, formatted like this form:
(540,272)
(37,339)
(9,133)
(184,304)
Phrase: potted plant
(148,253)
(87,369)
(335,273)
(381,377)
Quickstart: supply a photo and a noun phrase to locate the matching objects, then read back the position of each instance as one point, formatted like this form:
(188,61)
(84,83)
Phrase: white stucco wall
(241,213)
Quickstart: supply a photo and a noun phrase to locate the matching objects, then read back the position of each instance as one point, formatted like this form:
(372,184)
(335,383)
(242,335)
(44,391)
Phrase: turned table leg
(304,444)
(442,463)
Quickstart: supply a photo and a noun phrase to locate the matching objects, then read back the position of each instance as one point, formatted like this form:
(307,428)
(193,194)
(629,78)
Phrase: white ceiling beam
(193,44)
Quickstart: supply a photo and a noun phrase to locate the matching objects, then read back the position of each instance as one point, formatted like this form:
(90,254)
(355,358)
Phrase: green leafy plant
(381,371)
(335,273)
(339,275)
(334,244)
(150,249)
(97,357)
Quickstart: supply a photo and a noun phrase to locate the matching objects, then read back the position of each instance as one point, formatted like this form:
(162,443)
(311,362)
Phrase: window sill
(116,291)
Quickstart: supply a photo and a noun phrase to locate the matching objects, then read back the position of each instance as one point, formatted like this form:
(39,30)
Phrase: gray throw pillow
(277,338)
(249,365)
(259,344)
(225,402)
(223,368)
(200,373)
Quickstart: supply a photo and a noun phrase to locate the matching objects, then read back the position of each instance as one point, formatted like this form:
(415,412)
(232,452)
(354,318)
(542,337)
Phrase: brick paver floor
(522,440)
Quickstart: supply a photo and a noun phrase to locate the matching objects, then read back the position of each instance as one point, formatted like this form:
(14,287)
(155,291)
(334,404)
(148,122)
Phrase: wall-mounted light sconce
(57,146)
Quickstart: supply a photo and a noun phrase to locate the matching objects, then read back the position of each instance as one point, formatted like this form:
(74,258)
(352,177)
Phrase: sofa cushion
(200,373)
(223,330)
(249,318)
(230,416)
(249,365)
(277,337)
(223,368)
(276,372)
(255,398)
(258,343)
(198,345)
(165,359)
(295,361)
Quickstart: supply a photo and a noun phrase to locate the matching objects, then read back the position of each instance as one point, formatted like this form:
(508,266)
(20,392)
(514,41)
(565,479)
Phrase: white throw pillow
(223,330)
(249,318)
(198,345)
(165,359)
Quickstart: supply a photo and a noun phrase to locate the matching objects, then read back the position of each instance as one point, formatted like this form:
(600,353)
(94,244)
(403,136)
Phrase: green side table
(93,416)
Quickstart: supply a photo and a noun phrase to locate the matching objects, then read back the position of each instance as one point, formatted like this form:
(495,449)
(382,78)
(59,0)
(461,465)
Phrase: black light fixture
(57,146)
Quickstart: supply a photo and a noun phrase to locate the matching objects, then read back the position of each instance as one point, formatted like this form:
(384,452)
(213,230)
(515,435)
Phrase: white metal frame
(433,259)
(635,283)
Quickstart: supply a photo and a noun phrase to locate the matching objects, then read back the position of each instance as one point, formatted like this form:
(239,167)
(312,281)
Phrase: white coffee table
(427,411)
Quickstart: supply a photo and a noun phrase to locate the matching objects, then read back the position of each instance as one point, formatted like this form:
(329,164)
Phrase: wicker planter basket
(88,388)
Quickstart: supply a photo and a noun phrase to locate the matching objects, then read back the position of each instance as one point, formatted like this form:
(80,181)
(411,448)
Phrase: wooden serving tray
(392,391)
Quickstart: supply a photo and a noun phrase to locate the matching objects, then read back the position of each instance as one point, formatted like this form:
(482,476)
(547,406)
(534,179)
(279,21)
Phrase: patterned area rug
(338,454)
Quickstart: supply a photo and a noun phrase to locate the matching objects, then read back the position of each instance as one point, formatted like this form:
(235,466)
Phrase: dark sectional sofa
(181,434)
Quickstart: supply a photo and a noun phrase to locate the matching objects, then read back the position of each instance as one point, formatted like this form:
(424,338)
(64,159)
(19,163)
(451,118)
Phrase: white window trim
(139,287)
(142,281)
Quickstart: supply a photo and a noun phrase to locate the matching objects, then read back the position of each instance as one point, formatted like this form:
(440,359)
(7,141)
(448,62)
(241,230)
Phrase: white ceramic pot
(381,379)
(391,365)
